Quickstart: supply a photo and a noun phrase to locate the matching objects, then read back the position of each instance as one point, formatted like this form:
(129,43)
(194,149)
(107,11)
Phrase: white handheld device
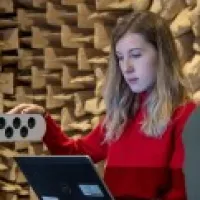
(21,127)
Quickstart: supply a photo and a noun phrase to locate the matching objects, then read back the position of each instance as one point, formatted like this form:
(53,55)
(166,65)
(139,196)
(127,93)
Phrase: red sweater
(136,166)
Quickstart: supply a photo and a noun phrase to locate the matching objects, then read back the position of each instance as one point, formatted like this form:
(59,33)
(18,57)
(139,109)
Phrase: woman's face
(138,61)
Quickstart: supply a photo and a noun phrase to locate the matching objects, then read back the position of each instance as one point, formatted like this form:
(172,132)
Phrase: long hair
(168,91)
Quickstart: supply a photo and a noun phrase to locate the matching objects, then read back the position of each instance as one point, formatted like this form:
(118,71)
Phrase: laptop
(63,177)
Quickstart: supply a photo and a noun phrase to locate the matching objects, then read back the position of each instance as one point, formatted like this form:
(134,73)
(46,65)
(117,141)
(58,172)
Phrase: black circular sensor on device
(31,122)
(16,122)
(9,132)
(24,131)
(2,123)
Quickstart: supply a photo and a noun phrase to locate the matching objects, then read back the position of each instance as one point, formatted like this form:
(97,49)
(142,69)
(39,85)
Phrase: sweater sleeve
(58,143)
(177,188)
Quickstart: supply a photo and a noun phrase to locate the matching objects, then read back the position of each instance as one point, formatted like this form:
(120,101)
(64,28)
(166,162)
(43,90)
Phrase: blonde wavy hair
(168,91)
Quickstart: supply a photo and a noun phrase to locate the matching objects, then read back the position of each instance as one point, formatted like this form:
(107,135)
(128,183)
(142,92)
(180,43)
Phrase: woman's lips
(132,80)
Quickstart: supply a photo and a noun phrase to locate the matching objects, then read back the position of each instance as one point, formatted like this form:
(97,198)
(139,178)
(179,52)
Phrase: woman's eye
(136,55)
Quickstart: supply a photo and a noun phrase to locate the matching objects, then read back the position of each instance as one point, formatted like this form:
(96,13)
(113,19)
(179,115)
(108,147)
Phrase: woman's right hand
(27,109)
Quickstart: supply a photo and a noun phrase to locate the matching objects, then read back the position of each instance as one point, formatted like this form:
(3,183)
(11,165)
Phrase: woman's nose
(128,65)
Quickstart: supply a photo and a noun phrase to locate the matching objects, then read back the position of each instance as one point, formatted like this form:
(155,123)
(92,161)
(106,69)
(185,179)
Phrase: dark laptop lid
(63,177)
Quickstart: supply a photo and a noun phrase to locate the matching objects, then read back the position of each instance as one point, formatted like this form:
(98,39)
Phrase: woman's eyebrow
(133,49)
(129,51)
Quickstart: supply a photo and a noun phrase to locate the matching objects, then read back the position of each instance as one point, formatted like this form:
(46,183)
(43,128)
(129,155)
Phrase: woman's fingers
(33,109)
(18,109)
(27,108)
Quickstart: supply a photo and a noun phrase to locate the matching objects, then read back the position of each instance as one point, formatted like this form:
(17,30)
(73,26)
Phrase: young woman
(147,106)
